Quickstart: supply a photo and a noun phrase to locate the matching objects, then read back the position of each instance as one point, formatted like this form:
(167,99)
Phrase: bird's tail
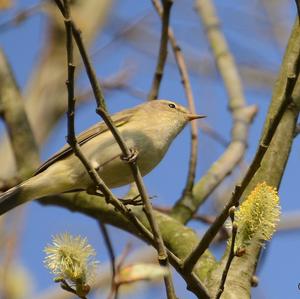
(54,180)
(33,188)
(13,198)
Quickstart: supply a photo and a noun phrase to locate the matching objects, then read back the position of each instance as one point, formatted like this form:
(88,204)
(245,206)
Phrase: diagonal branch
(291,79)
(273,164)
(71,138)
(182,67)
(112,257)
(101,110)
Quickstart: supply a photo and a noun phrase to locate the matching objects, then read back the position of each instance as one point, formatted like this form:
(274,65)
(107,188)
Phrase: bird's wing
(119,120)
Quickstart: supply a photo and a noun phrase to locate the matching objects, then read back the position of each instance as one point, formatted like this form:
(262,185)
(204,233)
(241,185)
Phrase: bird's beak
(195,116)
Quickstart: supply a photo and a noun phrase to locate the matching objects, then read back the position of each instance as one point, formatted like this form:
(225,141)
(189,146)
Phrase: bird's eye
(172,106)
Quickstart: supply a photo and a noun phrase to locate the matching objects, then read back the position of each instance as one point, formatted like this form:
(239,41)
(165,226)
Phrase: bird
(148,129)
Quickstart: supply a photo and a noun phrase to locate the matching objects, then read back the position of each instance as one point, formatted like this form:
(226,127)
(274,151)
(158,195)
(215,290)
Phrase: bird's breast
(105,155)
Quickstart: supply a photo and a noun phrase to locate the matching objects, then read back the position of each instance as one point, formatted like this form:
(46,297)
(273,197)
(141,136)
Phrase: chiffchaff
(148,128)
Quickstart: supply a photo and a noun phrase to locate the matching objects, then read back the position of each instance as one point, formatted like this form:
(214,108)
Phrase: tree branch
(289,81)
(273,162)
(112,258)
(182,67)
(163,51)
(178,238)
(101,110)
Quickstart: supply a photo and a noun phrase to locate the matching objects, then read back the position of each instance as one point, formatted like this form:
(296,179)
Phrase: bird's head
(167,117)
(169,111)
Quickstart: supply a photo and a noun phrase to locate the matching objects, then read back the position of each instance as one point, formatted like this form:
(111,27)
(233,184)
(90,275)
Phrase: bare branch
(290,76)
(182,67)
(163,51)
(112,257)
(239,189)
(162,254)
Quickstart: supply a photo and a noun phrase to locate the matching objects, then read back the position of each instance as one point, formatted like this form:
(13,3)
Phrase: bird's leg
(135,201)
(92,190)
(132,157)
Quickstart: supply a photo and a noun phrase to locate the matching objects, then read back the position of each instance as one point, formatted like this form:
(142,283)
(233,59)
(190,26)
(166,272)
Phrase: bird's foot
(94,191)
(135,201)
(132,157)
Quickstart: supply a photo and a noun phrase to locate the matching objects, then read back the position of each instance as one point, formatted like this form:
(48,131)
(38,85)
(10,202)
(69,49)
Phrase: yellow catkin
(70,258)
(257,216)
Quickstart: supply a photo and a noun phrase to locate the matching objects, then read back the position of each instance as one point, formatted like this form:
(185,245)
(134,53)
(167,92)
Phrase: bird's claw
(132,157)
(135,201)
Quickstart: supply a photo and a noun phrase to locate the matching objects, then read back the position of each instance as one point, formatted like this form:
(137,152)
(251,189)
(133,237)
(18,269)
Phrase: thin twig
(118,266)
(101,110)
(192,259)
(163,51)
(110,249)
(208,219)
(182,67)
(231,254)
(109,196)
(71,137)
